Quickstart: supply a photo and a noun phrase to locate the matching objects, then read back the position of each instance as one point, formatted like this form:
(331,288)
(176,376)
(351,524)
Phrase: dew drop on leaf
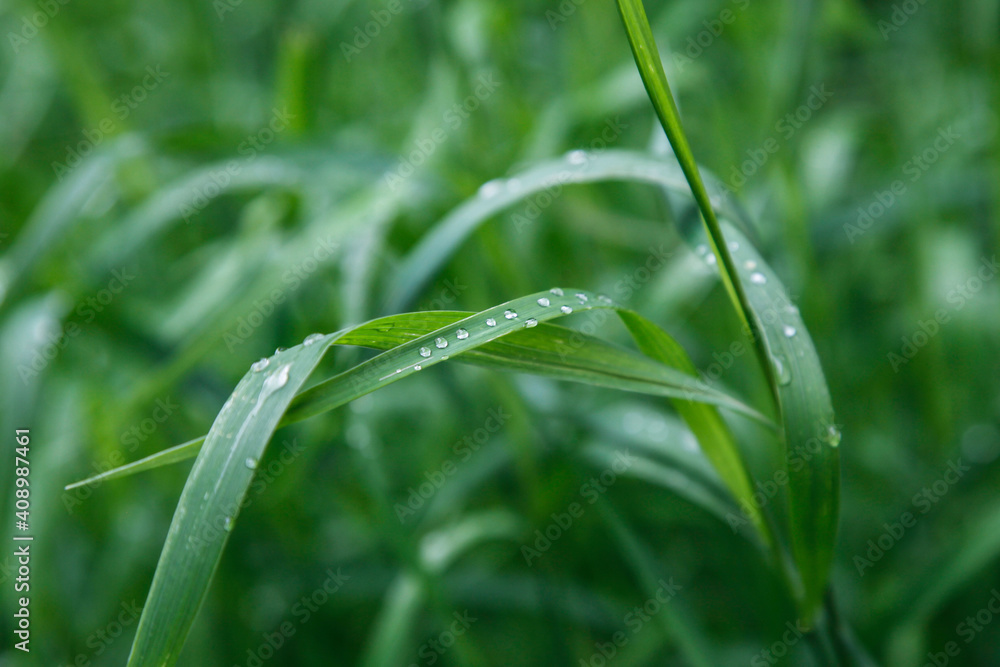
(490,189)
(781,370)
(276,380)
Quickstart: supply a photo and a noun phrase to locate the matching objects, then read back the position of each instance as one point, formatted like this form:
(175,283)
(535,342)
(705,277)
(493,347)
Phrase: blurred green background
(186,186)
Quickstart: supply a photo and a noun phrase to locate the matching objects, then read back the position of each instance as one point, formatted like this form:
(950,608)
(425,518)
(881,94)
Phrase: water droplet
(710,259)
(417,367)
(227,523)
(205,497)
(490,189)
(260,365)
(757,278)
(509,314)
(251,463)
(490,322)
(312,338)
(425,352)
(566,310)
(276,380)
(530,322)
(581,297)
(833,435)
(543,302)
(556,290)
(781,370)
(701,249)
(577,157)
(278,350)
(603,298)
(440,343)
(789,331)
(750,264)
(734,246)
(444,358)
(461,334)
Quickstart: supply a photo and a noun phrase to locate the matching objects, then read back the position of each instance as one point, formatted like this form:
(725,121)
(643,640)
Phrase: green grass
(537,481)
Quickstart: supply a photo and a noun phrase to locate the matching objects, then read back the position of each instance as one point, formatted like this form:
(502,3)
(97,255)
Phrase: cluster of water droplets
(509,314)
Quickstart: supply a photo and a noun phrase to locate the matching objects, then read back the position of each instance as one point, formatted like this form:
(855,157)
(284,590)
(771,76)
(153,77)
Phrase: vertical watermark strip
(22,552)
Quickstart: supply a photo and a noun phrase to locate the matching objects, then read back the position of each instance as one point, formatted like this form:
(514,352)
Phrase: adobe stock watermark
(785,129)
(130,440)
(553,185)
(625,287)
(365,34)
(303,610)
(590,492)
(431,651)
(249,148)
(714,28)
(923,502)
(446,297)
(635,620)
(121,108)
(901,13)
(103,638)
(223,522)
(561,14)
(967,630)
(913,169)
(292,278)
(32,23)
(796,460)
(462,450)
(452,119)
(957,298)
(85,311)
(793,634)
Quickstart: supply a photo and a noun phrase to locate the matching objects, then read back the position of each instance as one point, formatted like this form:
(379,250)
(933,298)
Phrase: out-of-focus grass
(842,114)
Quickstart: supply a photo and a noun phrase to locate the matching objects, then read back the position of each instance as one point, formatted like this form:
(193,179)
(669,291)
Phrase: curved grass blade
(807,413)
(647,60)
(175,454)
(548,350)
(223,471)
(617,368)
(705,422)
(811,439)
(211,500)
(612,165)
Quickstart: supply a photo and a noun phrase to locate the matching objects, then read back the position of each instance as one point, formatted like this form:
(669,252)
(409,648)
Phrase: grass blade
(805,406)
(612,165)
(546,349)
(811,439)
(211,500)
(705,422)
